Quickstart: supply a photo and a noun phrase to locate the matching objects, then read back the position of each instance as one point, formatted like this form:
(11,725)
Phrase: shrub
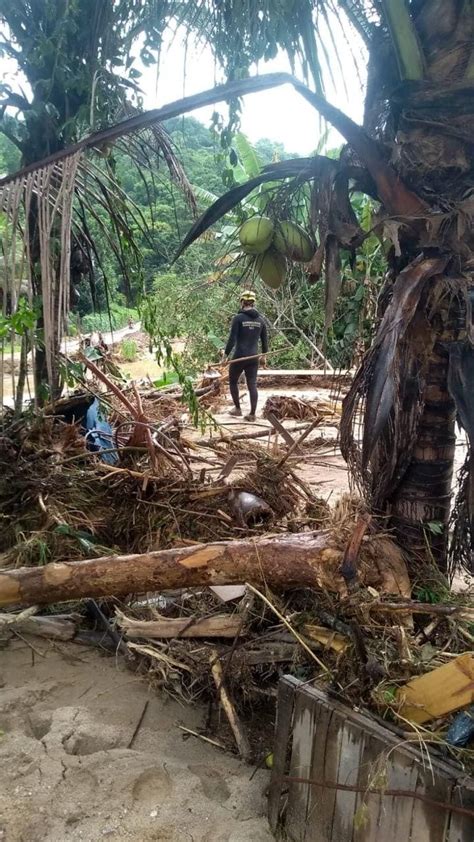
(129,350)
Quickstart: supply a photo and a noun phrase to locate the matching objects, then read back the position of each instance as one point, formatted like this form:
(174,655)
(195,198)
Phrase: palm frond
(394,194)
(361,16)
(410,58)
(388,387)
(146,119)
(300,168)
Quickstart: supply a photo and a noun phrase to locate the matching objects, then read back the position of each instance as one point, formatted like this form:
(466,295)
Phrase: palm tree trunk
(22,374)
(43,389)
(420,507)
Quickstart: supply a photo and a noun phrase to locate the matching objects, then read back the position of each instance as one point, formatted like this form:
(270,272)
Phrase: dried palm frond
(288,406)
(461,549)
(387,390)
(44,198)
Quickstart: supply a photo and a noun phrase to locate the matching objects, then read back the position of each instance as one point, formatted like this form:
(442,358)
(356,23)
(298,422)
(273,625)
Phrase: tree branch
(391,793)
(393,193)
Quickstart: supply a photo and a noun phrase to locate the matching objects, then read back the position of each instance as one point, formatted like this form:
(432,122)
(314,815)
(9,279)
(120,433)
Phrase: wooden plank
(374,727)
(349,762)
(286,697)
(324,766)
(397,814)
(368,806)
(439,691)
(367,754)
(461,828)
(428,822)
(305,720)
(289,440)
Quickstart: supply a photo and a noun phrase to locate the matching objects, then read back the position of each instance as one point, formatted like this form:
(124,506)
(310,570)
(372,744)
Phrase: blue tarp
(99,433)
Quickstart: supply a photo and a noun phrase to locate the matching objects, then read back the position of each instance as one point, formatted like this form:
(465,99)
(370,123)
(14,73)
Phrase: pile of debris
(120,469)
(214,569)
(289,406)
(363,638)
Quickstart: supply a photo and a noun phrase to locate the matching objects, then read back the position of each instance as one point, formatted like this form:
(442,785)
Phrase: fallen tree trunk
(278,563)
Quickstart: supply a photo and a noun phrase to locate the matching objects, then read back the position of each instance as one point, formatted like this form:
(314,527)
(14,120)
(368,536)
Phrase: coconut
(256,235)
(271,267)
(293,241)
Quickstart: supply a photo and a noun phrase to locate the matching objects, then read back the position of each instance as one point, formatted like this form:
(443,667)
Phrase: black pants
(250,368)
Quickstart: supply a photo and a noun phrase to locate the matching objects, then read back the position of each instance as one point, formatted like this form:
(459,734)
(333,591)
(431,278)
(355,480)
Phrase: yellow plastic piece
(439,692)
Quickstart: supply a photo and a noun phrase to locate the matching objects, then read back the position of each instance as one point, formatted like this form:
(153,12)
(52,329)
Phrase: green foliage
(183,368)
(19,322)
(129,350)
(404,39)
(432,593)
(169,377)
(10,156)
(435,527)
(115,319)
(78,59)
(86,540)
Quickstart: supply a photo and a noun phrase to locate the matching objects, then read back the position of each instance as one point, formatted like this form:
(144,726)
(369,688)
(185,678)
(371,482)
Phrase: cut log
(220,625)
(280,563)
(54,628)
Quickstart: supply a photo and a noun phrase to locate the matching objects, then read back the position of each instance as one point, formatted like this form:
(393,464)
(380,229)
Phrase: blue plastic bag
(461,731)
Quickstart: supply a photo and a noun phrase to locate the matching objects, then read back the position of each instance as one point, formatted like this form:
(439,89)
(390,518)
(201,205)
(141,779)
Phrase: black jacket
(247,329)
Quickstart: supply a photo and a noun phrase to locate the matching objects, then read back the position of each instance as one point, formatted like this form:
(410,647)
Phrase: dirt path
(67,771)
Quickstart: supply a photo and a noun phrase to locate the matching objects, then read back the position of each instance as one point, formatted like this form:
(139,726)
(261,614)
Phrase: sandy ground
(67,771)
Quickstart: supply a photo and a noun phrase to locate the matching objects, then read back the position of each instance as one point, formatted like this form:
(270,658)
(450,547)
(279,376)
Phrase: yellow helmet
(247,295)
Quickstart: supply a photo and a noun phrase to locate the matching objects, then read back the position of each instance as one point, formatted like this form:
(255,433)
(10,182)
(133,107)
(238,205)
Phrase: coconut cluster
(273,244)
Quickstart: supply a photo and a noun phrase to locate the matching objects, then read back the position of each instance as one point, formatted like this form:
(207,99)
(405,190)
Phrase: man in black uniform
(247,330)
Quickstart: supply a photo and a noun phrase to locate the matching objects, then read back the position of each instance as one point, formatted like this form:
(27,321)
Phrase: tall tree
(414,156)
(77,59)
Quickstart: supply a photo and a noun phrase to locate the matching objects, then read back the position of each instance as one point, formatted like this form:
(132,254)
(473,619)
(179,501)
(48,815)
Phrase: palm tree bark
(22,374)
(420,507)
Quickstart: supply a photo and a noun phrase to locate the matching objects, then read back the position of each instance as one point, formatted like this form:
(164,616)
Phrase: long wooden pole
(282,562)
(286,562)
